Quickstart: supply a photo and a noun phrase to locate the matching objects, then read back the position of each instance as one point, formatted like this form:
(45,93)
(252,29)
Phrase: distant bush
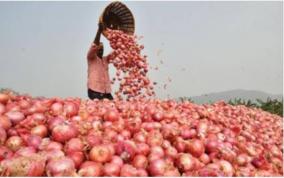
(273,106)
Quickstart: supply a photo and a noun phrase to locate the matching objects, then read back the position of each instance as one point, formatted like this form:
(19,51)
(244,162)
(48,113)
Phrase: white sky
(205,46)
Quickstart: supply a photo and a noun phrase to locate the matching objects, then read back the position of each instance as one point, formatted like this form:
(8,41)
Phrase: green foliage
(182,99)
(272,106)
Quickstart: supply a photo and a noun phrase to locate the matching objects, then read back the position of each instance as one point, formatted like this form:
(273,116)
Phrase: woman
(99,85)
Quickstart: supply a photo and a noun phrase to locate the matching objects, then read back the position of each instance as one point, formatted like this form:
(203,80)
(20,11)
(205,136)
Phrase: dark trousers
(97,95)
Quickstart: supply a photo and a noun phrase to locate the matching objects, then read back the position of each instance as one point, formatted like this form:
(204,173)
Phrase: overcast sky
(205,46)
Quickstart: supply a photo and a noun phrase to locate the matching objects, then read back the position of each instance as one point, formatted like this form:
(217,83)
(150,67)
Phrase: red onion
(77,157)
(185,162)
(54,122)
(195,147)
(111,115)
(70,109)
(5,123)
(172,173)
(56,109)
(157,167)
(14,143)
(15,116)
(91,169)
(4,98)
(128,171)
(3,136)
(25,151)
(54,146)
(111,170)
(34,141)
(5,153)
(226,168)
(64,132)
(53,154)
(140,162)
(74,145)
(117,160)
(142,173)
(40,130)
(100,153)
(2,109)
(61,167)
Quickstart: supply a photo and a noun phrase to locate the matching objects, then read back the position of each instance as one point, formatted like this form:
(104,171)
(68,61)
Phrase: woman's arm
(92,54)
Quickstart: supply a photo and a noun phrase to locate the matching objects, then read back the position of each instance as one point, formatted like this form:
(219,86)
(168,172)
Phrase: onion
(70,109)
(242,159)
(195,147)
(53,154)
(157,167)
(111,115)
(14,143)
(54,146)
(91,169)
(15,116)
(212,146)
(185,162)
(5,123)
(61,167)
(204,158)
(128,171)
(172,173)
(155,138)
(111,170)
(117,160)
(39,130)
(54,122)
(56,109)
(74,145)
(25,151)
(2,109)
(4,98)
(188,133)
(77,157)
(3,136)
(5,153)
(100,153)
(142,173)
(140,162)
(157,150)
(226,168)
(34,141)
(64,132)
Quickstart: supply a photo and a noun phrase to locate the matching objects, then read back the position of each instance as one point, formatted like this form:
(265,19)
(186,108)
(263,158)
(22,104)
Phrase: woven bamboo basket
(117,16)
